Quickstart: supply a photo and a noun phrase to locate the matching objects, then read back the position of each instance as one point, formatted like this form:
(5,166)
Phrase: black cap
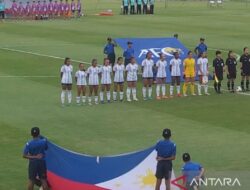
(166,133)
(109,38)
(129,42)
(202,39)
(35,131)
(186,157)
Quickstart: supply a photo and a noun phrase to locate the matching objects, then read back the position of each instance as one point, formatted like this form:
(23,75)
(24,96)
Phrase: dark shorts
(37,168)
(219,76)
(245,72)
(120,83)
(64,84)
(2,14)
(164,170)
(148,78)
(231,75)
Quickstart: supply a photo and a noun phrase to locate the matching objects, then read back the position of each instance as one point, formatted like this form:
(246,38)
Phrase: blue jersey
(190,170)
(165,148)
(139,2)
(109,49)
(2,6)
(129,53)
(125,2)
(35,147)
(132,2)
(201,48)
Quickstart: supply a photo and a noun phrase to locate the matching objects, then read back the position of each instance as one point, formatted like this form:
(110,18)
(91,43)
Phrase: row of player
(92,75)
(46,10)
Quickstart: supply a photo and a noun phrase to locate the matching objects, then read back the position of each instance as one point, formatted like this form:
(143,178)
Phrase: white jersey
(66,71)
(132,70)
(106,74)
(147,68)
(93,73)
(176,67)
(203,66)
(81,78)
(119,73)
(161,69)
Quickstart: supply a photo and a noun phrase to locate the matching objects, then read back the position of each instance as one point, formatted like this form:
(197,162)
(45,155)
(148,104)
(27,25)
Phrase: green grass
(214,129)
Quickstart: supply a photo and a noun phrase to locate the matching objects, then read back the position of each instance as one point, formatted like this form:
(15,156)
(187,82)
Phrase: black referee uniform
(245,70)
(231,64)
(218,65)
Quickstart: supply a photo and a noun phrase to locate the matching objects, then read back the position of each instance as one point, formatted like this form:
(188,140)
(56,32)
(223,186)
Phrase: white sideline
(41,55)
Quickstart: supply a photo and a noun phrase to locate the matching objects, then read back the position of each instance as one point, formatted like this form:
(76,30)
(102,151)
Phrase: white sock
(128,93)
(114,95)
(134,93)
(90,99)
(171,90)
(121,95)
(163,89)
(206,88)
(158,90)
(108,95)
(96,99)
(101,95)
(199,89)
(84,99)
(144,92)
(69,96)
(150,92)
(78,99)
(178,89)
(63,96)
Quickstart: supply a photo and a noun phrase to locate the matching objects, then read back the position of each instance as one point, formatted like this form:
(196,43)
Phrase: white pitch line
(41,55)
(26,76)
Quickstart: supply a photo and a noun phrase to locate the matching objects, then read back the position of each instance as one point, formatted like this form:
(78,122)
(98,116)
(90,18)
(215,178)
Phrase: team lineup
(127,70)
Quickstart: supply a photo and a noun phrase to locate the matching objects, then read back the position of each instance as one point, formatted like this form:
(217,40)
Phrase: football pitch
(214,129)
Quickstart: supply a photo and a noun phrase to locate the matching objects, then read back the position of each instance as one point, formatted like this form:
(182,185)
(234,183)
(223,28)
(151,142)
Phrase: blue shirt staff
(109,50)
(2,9)
(201,47)
(128,53)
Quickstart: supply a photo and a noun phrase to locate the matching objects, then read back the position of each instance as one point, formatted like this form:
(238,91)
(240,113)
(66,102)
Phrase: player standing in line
(138,8)
(93,76)
(61,9)
(34,151)
(128,53)
(218,65)
(192,172)
(175,69)
(200,48)
(21,10)
(28,10)
(44,10)
(147,75)
(118,69)
(203,73)
(66,80)
(166,152)
(50,9)
(14,9)
(161,77)
(81,83)
(56,9)
(79,8)
(109,50)
(145,6)
(105,71)
(189,74)
(33,10)
(131,72)
(38,10)
(231,64)
(245,68)
(125,4)
(73,8)
(132,7)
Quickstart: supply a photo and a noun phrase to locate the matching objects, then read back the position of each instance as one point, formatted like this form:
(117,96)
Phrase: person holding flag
(218,65)
(189,73)
(192,172)
(109,50)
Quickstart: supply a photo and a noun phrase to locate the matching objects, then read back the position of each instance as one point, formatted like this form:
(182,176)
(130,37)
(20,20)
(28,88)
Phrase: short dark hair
(218,52)
(166,133)
(35,132)
(119,58)
(189,52)
(202,39)
(186,157)
(66,59)
(245,48)
(230,51)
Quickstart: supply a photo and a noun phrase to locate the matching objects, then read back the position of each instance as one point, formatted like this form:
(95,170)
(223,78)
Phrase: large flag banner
(68,170)
(155,45)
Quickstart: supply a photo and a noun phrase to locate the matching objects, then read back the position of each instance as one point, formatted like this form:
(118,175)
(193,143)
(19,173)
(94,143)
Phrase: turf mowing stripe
(42,55)
(26,76)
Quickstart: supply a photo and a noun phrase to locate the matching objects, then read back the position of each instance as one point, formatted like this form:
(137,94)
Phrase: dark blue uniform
(231,66)
(218,65)
(128,54)
(201,48)
(165,149)
(109,50)
(245,60)
(191,170)
(37,167)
